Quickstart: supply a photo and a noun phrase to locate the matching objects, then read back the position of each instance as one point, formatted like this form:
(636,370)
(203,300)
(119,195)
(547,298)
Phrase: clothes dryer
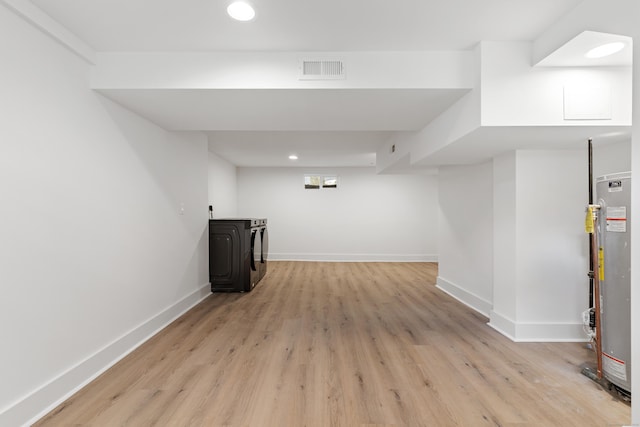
(234,254)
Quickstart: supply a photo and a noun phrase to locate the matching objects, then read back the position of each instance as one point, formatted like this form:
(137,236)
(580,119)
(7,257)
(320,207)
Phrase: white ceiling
(325,127)
(303,25)
(572,53)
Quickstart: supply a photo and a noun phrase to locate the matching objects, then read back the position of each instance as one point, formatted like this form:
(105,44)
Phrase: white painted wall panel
(540,248)
(504,239)
(465,234)
(516,94)
(95,253)
(611,158)
(223,188)
(552,247)
(368,217)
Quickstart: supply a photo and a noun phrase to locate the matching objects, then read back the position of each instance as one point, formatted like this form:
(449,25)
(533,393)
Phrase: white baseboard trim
(469,299)
(537,332)
(353,257)
(41,401)
(502,324)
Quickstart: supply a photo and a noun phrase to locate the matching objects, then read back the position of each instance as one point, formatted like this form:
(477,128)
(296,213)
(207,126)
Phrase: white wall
(368,217)
(95,254)
(223,188)
(465,234)
(503,313)
(611,158)
(516,94)
(540,255)
(457,121)
(552,247)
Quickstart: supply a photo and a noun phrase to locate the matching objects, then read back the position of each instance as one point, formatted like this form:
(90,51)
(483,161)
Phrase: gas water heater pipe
(591,225)
(589,203)
(592,211)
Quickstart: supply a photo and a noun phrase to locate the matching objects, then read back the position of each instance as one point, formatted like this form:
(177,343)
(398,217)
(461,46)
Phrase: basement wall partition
(103,225)
(465,234)
(511,239)
(540,252)
(223,187)
(368,217)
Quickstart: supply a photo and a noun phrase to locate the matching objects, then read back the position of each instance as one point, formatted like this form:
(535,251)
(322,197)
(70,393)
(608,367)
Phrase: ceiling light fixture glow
(605,50)
(293,157)
(241,11)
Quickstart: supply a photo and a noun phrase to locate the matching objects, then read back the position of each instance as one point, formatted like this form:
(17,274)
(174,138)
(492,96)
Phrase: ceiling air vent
(321,69)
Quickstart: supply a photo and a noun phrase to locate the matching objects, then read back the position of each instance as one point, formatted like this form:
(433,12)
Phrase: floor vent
(311,69)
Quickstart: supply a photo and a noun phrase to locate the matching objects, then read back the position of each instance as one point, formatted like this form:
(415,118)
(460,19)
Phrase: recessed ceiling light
(293,157)
(241,11)
(605,50)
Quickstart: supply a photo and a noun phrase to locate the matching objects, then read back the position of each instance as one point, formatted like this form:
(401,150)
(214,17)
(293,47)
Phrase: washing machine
(235,254)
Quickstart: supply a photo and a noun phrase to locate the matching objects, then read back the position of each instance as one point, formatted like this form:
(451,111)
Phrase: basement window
(312,182)
(316,182)
(329,182)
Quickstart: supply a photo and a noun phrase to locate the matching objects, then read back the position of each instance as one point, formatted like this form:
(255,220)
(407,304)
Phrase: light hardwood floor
(342,344)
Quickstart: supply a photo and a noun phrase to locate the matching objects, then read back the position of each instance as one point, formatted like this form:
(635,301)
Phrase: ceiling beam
(43,22)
